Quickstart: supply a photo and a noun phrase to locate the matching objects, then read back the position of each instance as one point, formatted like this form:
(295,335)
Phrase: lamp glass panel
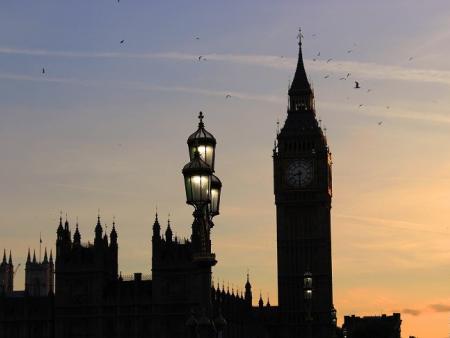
(308,294)
(200,185)
(206,153)
(188,187)
(215,196)
(307,282)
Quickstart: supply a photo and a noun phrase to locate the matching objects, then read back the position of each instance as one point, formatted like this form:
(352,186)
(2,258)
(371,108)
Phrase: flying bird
(314,59)
(318,54)
(348,74)
(329,60)
(361,105)
(122,41)
(43,70)
(349,51)
(410,58)
(197,38)
(200,57)
(327,76)
(357,85)
(380,123)
(228,96)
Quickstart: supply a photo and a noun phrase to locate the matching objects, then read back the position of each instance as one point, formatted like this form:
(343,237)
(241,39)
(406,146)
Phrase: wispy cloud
(361,69)
(391,223)
(145,86)
(412,312)
(440,307)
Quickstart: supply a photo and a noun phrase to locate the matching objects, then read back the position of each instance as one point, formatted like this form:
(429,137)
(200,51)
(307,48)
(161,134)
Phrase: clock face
(299,173)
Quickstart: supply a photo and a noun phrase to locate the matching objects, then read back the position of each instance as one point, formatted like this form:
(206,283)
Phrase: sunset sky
(106,128)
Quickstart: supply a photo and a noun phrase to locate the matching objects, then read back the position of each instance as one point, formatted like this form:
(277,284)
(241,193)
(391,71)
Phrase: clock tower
(302,186)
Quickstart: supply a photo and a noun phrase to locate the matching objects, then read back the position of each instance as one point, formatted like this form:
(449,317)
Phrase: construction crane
(15,270)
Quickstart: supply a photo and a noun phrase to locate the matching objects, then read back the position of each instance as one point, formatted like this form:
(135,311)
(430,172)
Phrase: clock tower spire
(302,186)
(301,96)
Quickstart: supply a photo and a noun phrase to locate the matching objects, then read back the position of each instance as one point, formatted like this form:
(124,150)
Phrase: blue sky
(106,127)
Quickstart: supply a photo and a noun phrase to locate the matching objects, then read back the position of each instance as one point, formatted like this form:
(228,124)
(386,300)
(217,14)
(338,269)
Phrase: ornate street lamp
(307,286)
(203,142)
(197,182)
(203,192)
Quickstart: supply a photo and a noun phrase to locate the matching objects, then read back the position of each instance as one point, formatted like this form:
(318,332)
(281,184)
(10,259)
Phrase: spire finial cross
(200,117)
(300,36)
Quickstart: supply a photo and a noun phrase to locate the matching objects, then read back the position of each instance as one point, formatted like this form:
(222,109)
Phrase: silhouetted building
(372,326)
(39,276)
(89,298)
(302,184)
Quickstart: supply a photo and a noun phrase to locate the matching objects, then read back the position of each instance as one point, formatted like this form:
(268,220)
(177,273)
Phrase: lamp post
(203,190)
(308,294)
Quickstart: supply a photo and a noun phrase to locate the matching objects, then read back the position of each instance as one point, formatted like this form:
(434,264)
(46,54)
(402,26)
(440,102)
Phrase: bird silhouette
(349,51)
(200,57)
(314,59)
(330,59)
(228,96)
(410,58)
(357,85)
(122,41)
(326,76)
(361,105)
(197,38)
(348,74)
(318,54)
(43,70)
(380,123)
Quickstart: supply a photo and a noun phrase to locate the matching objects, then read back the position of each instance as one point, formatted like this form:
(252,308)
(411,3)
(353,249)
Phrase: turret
(156,229)
(77,236)
(168,232)
(60,230)
(260,302)
(6,275)
(248,291)
(105,240)
(98,233)
(113,245)
(67,239)
(59,240)
(45,261)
